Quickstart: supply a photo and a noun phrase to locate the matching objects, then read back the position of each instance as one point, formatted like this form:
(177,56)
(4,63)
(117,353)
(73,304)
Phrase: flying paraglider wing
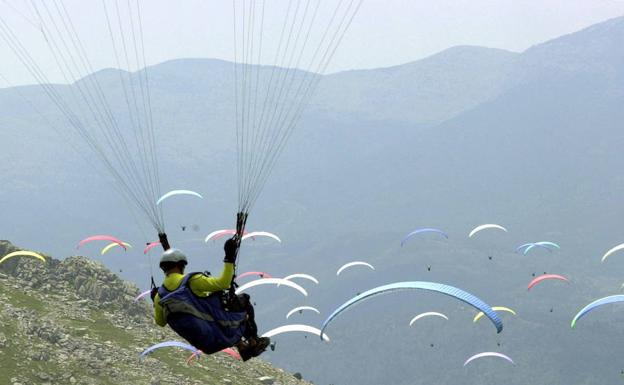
(296,328)
(220,234)
(271,281)
(484,227)
(419,285)
(489,354)
(545,277)
(101,238)
(519,248)
(260,274)
(107,248)
(229,351)
(427,314)
(599,302)
(23,253)
(354,263)
(611,251)
(166,345)
(150,246)
(254,234)
(301,275)
(178,192)
(232,353)
(421,231)
(548,244)
(495,308)
(544,244)
(142,295)
(300,309)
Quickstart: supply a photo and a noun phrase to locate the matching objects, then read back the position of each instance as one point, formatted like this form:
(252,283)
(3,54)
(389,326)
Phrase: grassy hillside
(75,322)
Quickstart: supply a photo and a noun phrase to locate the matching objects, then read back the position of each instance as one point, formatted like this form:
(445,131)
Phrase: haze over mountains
(471,135)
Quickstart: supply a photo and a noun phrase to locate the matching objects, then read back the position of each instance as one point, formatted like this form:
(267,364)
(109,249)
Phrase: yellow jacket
(200,285)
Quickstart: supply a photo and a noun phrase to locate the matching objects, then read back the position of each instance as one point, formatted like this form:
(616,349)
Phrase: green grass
(9,354)
(21,300)
(101,329)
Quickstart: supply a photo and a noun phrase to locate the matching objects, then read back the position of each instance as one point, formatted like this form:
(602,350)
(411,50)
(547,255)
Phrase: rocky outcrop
(75,322)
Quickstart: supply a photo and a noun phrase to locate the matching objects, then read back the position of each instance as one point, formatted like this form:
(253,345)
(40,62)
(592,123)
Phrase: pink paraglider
(545,277)
(229,351)
(150,246)
(221,233)
(101,238)
(260,274)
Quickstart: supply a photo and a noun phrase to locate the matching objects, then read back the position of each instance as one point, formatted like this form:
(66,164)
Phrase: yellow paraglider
(23,253)
(495,308)
(111,245)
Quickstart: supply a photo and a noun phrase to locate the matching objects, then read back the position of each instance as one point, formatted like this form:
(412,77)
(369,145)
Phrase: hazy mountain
(472,135)
(424,92)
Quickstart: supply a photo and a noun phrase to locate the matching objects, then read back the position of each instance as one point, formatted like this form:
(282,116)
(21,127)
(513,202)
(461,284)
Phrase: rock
(298,376)
(3,340)
(266,380)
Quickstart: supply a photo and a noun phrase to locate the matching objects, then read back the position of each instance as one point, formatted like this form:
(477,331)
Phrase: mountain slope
(75,322)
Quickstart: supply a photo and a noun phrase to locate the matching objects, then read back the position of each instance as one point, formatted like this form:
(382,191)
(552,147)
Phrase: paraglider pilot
(198,307)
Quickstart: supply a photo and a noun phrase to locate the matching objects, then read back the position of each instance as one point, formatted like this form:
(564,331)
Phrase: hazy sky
(385,32)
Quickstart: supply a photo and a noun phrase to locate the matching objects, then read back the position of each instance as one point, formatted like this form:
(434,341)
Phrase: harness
(207,323)
(212,308)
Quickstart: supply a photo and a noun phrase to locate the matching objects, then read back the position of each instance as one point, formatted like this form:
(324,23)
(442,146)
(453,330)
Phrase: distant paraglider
(354,263)
(495,308)
(142,295)
(254,234)
(296,328)
(150,246)
(271,281)
(101,238)
(489,354)
(543,244)
(23,253)
(178,192)
(107,248)
(260,274)
(484,227)
(301,275)
(611,251)
(546,277)
(421,231)
(229,351)
(427,314)
(246,235)
(167,344)
(300,309)
(419,285)
(597,303)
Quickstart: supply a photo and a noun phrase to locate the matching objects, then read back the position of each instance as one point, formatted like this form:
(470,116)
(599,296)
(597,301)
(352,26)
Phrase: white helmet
(173,255)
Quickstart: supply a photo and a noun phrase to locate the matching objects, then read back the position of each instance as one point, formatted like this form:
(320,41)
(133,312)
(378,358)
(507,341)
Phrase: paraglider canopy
(430,286)
(427,314)
(354,263)
(23,253)
(484,227)
(296,328)
(178,192)
(421,231)
(489,354)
